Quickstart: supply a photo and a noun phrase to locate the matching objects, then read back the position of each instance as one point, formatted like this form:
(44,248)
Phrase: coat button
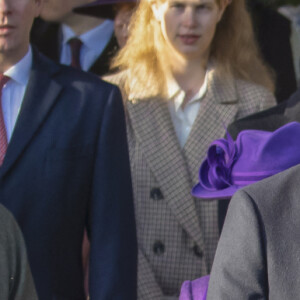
(197,251)
(158,248)
(156,194)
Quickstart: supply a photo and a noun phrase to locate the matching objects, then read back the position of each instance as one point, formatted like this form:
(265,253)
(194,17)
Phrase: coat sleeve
(111,223)
(239,269)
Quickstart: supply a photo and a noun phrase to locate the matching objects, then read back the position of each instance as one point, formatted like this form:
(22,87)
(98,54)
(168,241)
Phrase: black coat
(273,36)
(270,119)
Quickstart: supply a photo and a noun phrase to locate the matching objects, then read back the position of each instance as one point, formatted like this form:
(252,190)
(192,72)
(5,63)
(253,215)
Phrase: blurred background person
(273,32)
(82,41)
(118,10)
(291,10)
(188,68)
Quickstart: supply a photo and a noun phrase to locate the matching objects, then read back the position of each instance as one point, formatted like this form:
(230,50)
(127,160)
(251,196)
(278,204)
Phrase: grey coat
(258,255)
(15,276)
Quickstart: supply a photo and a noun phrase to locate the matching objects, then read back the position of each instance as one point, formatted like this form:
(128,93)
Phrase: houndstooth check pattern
(3,137)
(179,221)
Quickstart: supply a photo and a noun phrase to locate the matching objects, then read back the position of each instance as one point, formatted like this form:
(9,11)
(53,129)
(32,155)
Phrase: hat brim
(199,191)
(100,9)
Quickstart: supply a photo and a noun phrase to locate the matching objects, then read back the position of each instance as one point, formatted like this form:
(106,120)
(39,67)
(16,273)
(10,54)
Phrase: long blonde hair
(233,50)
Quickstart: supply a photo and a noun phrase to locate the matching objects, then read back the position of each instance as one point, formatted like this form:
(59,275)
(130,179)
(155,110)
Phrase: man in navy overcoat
(66,168)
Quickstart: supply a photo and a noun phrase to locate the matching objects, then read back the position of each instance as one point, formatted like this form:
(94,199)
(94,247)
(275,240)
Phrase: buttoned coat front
(177,234)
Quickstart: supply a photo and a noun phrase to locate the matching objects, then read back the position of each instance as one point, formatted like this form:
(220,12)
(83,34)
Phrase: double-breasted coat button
(156,194)
(158,248)
(197,251)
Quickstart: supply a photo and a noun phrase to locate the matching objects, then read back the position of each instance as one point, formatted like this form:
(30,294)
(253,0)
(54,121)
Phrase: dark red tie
(75,45)
(3,138)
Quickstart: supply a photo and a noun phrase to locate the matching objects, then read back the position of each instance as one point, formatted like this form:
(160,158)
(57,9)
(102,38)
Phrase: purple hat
(101,8)
(254,156)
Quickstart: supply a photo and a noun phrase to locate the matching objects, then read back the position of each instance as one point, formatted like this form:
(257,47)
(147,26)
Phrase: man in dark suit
(65,168)
(94,39)
(258,252)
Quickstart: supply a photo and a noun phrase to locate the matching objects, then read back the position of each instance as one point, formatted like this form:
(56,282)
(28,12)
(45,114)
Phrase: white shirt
(14,90)
(93,43)
(183,119)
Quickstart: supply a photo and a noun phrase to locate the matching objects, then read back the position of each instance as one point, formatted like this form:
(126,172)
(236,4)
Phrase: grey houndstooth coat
(178,234)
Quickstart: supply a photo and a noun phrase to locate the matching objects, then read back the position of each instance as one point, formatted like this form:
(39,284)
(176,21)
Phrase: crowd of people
(126,127)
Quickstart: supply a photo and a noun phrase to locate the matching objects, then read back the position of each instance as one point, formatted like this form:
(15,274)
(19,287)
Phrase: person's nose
(4,8)
(189,17)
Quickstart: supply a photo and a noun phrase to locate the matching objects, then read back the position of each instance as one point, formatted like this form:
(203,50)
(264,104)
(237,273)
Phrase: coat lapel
(153,128)
(218,109)
(41,93)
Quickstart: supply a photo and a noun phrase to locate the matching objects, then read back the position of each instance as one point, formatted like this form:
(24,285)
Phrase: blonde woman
(189,68)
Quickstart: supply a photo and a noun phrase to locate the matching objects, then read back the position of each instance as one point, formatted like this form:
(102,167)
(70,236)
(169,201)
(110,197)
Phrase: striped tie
(75,45)
(3,138)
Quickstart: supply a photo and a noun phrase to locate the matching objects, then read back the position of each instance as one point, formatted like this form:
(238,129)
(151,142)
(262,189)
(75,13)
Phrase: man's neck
(10,58)
(81,24)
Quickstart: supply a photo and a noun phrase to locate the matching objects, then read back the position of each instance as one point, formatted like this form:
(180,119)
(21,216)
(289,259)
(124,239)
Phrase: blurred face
(121,22)
(59,10)
(16,17)
(188,26)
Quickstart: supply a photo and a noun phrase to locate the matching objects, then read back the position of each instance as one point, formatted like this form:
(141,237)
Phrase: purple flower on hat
(215,171)
(256,155)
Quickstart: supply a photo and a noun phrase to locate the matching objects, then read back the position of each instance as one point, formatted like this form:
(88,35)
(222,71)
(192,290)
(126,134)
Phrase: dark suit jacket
(47,38)
(258,252)
(67,167)
(270,119)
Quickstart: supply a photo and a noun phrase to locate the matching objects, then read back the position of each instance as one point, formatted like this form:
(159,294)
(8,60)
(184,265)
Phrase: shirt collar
(21,70)
(91,38)
(177,94)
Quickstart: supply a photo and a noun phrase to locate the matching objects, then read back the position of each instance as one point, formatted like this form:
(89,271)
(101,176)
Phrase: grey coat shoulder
(276,193)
